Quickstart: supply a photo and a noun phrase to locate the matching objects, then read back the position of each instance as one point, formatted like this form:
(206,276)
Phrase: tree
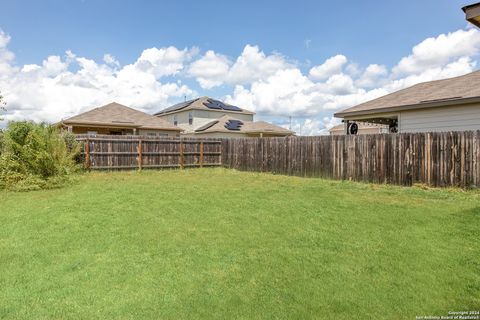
(3,105)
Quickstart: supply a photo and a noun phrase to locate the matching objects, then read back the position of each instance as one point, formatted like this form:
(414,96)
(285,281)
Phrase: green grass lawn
(222,244)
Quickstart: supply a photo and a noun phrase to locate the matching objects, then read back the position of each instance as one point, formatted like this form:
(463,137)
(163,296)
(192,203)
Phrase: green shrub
(36,156)
(1,141)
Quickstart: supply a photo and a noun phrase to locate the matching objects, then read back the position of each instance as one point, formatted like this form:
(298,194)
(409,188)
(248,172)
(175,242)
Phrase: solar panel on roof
(233,125)
(230,107)
(212,104)
(208,125)
(178,106)
(219,105)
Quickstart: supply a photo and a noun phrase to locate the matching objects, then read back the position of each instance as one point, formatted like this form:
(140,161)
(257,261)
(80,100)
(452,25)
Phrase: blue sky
(366,31)
(296,36)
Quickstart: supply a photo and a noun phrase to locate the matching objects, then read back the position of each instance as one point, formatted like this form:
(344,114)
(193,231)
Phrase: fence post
(201,154)
(181,154)
(140,154)
(87,154)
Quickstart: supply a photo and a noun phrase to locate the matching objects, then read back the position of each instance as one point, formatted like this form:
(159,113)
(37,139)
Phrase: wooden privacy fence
(437,159)
(129,152)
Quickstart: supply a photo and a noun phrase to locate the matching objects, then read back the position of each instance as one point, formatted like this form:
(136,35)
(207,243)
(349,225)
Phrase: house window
(92,133)
(190,118)
(152,134)
(175,120)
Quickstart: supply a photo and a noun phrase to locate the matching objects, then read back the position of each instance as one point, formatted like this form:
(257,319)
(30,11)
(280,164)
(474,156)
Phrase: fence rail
(139,152)
(437,159)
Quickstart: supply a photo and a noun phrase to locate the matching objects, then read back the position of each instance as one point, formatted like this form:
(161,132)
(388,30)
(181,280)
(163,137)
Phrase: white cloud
(214,69)
(254,65)
(210,70)
(330,67)
(51,91)
(371,76)
(286,92)
(4,39)
(436,52)
(456,68)
(308,127)
(6,56)
(53,66)
(110,60)
(338,83)
(269,84)
(164,61)
(313,126)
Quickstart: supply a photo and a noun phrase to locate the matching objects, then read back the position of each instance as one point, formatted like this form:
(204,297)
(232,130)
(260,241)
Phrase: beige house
(117,119)
(363,128)
(230,127)
(208,117)
(444,105)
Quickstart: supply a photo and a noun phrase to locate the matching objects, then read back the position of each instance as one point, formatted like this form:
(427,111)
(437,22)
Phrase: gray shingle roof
(423,95)
(117,114)
(218,125)
(197,104)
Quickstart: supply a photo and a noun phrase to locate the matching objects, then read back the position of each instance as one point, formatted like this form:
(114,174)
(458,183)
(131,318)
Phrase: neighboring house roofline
(473,5)
(464,89)
(119,116)
(116,125)
(425,105)
(199,108)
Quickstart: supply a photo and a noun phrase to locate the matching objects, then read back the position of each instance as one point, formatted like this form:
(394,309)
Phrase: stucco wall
(202,117)
(454,118)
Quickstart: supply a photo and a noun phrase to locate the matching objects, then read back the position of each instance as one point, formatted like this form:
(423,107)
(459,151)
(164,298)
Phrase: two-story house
(208,117)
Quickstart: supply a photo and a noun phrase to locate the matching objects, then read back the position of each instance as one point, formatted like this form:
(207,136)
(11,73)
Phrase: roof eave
(472,13)
(426,105)
(103,124)
(160,128)
(115,125)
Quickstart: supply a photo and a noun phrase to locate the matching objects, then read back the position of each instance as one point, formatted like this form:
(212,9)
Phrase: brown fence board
(137,152)
(437,159)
